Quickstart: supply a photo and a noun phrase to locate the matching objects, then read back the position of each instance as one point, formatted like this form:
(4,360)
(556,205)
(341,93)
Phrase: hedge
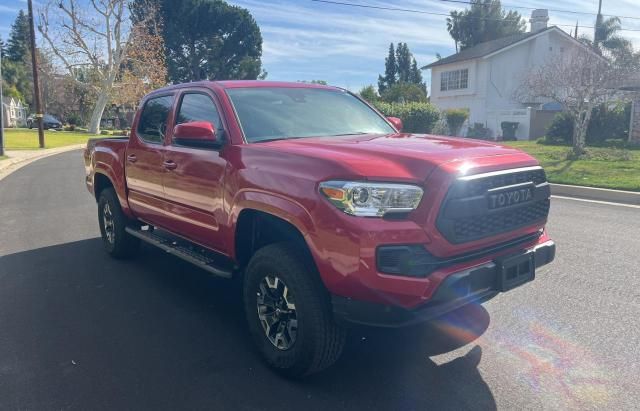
(607,123)
(416,117)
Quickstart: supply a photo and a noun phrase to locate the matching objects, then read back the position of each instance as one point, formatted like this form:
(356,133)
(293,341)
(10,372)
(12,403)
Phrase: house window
(454,80)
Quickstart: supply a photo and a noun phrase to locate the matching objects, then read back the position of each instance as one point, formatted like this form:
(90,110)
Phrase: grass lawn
(22,138)
(609,168)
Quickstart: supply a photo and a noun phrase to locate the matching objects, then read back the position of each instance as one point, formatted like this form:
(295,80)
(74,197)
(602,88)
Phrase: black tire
(117,242)
(318,340)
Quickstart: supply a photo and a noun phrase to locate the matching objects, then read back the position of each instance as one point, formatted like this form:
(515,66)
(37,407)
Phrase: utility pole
(1,111)
(596,29)
(36,83)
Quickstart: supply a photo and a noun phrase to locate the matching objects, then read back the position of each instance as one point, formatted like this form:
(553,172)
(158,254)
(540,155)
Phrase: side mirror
(197,134)
(396,122)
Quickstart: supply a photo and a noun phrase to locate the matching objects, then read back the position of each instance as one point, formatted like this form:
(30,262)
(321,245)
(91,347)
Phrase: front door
(194,184)
(144,159)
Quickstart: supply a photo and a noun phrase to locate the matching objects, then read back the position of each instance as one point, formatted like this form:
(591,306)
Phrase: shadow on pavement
(82,331)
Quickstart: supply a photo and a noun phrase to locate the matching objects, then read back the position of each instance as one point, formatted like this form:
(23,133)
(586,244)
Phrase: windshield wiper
(355,133)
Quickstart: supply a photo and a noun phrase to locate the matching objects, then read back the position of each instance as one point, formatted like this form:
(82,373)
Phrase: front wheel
(289,311)
(113,224)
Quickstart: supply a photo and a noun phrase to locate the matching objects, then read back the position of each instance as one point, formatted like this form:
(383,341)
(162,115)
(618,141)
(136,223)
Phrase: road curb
(12,164)
(599,194)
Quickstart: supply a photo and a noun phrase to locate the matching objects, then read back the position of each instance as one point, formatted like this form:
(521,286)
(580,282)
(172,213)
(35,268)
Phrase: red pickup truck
(322,208)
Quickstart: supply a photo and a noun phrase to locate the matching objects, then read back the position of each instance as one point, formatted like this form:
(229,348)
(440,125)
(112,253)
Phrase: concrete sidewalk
(20,158)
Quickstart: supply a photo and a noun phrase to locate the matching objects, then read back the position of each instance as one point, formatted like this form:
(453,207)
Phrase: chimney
(539,19)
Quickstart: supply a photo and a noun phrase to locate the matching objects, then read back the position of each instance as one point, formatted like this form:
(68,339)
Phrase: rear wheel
(289,311)
(113,222)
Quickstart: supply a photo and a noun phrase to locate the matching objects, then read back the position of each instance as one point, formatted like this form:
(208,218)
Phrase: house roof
(486,48)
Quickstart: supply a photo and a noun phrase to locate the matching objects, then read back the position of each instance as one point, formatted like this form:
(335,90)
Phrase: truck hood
(402,156)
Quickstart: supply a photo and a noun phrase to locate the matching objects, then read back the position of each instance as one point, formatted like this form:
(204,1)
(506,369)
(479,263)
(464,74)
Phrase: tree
(402,80)
(390,71)
(403,62)
(144,69)
(18,45)
(415,75)
(94,37)
(405,93)
(486,20)
(210,40)
(16,63)
(579,80)
(369,94)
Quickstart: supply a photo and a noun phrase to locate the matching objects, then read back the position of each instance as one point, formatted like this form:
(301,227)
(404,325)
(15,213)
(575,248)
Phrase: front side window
(276,113)
(153,120)
(454,80)
(198,107)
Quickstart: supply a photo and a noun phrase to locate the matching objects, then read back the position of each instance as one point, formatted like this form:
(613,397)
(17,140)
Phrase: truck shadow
(80,330)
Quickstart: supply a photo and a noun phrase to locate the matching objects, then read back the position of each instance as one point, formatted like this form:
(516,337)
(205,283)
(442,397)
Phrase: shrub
(560,131)
(455,119)
(609,123)
(479,131)
(73,119)
(509,129)
(416,117)
(106,133)
(606,124)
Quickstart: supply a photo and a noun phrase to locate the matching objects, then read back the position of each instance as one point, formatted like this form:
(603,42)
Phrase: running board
(192,253)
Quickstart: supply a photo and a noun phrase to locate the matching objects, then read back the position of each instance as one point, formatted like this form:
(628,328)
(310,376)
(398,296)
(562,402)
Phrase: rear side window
(153,120)
(198,107)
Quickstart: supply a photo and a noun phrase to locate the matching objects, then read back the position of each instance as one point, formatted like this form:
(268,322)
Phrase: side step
(192,253)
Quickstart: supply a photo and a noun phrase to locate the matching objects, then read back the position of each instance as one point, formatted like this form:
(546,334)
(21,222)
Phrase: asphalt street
(80,331)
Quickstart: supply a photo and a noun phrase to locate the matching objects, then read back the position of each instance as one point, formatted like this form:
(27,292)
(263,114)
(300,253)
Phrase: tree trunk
(98,110)
(580,125)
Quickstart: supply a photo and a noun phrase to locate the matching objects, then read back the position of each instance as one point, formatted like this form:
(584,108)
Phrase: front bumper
(472,285)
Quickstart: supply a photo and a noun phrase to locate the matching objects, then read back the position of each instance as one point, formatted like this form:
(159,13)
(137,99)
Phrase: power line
(553,10)
(390,8)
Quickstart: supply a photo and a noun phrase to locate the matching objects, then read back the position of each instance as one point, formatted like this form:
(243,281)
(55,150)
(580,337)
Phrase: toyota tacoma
(323,210)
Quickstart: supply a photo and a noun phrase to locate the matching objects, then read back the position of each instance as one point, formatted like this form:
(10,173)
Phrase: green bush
(606,124)
(609,123)
(73,119)
(509,129)
(479,131)
(455,119)
(416,117)
(560,131)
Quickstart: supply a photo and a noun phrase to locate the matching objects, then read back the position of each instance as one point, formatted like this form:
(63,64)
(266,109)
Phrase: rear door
(144,167)
(193,186)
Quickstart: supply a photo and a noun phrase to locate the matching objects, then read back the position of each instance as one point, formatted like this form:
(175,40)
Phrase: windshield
(282,113)
(48,117)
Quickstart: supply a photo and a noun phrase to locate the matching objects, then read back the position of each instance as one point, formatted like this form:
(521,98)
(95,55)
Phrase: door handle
(132,158)
(170,165)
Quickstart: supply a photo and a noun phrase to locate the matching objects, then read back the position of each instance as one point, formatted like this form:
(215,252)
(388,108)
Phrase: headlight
(371,199)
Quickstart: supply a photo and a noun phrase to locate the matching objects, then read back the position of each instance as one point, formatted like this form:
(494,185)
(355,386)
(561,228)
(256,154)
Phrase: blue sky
(346,46)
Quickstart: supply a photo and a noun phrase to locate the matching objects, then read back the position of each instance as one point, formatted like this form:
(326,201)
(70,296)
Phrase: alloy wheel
(109,225)
(277,312)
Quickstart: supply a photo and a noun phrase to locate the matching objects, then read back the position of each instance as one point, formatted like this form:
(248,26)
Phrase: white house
(14,112)
(484,78)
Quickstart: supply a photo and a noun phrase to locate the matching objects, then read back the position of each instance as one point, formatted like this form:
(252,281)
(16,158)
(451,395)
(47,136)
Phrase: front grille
(491,224)
(465,215)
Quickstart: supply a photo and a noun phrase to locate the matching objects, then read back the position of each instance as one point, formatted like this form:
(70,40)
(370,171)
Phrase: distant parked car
(48,122)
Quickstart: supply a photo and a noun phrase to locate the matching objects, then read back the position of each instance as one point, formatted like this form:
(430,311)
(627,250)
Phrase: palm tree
(607,39)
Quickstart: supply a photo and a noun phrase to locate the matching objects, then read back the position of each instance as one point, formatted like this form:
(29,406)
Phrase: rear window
(153,120)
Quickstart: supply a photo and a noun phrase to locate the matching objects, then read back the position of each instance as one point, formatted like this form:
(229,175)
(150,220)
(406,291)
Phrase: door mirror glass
(396,122)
